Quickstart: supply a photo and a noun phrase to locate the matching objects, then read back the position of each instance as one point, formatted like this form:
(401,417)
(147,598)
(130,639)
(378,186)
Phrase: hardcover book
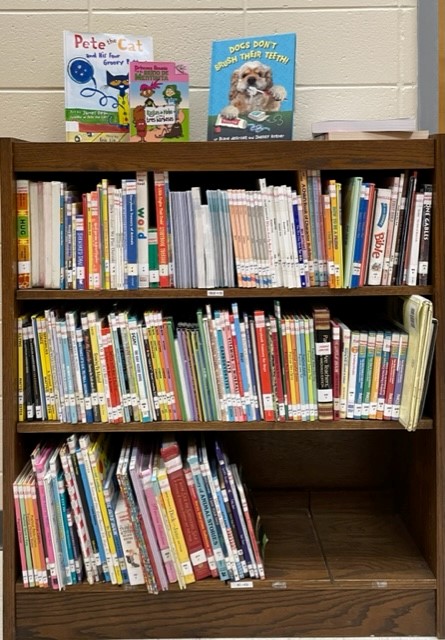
(96,84)
(159,102)
(252,88)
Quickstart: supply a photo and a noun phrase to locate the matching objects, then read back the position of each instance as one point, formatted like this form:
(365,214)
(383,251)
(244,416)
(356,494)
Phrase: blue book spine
(302,368)
(84,375)
(92,512)
(357,259)
(298,238)
(361,365)
(241,530)
(111,495)
(70,393)
(66,530)
(132,251)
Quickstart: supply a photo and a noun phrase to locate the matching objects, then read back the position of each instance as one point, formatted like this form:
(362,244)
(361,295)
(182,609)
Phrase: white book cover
(378,237)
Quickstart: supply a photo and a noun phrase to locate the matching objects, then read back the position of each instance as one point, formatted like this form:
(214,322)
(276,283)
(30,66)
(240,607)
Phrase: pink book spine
(18,521)
(51,560)
(158,526)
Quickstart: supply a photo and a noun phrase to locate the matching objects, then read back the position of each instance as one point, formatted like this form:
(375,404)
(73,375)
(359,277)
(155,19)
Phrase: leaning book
(96,84)
(252,88)
(159,102)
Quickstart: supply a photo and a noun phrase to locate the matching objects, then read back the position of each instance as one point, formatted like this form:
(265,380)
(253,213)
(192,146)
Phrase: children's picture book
(96,84)
(159,102)
(252,88)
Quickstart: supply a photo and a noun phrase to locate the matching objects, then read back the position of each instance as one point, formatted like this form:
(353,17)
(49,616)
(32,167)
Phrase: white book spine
(413,262)
(378,237)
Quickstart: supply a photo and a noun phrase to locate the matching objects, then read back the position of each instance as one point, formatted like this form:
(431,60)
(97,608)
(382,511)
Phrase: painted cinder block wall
(355,59)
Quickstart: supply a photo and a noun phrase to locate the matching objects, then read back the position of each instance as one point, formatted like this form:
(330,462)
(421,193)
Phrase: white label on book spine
(215,293)
(323,348)
(324,395)
(198,557)
(245,584)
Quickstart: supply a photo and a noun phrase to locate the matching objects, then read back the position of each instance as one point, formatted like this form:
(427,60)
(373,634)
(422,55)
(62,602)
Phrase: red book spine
(161,224)
(392,370)
(115,398)
(236,362)
(172,457)
(264,366)
(201,524)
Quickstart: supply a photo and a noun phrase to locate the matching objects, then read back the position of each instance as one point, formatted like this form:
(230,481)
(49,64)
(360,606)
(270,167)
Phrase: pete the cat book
(252,88)
(97,69)
(159,102)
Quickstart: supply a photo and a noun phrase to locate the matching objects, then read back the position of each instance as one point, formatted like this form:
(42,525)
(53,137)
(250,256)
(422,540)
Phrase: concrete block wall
(355,58)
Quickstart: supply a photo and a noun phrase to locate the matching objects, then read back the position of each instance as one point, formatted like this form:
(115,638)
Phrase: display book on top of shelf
(343,475)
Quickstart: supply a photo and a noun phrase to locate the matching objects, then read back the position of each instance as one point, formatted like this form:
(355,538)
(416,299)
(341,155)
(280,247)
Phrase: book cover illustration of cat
(159,102)
(97,82)
(251,93)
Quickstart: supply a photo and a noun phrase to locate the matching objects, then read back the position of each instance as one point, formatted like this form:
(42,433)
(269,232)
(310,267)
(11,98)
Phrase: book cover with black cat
(97,82)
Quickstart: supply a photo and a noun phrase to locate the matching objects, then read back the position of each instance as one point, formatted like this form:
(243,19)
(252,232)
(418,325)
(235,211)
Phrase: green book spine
(153,258)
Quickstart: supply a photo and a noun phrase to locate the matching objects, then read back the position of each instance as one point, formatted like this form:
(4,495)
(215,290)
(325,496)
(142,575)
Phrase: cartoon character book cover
(96,84)
(252,88)
(159,102)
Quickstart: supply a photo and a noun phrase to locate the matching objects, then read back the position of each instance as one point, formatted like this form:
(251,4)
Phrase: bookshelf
(354,510)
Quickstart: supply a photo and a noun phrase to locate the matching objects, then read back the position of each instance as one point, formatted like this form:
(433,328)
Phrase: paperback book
(96,84)
(252,88)
(159,102)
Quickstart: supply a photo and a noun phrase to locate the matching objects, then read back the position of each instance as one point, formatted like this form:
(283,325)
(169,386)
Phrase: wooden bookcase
(354,510)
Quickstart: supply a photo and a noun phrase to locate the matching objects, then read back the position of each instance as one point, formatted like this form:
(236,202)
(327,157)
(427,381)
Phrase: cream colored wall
(356,58)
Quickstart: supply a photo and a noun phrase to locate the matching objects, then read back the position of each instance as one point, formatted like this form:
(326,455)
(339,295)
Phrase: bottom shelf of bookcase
(337,564)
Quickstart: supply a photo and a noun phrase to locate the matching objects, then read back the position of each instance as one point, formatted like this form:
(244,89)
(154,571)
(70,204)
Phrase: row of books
(271,237)
(144,513)
(84,367)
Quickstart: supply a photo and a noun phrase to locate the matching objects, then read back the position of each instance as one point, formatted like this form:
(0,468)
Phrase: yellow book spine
(340,232)
(310,363)
(175,526)
(23,235)
(96,463)
(303,189)
(89,247)
(328,239)
(104,221)
(48,381)
(373,396)
(157,369)
(98,373)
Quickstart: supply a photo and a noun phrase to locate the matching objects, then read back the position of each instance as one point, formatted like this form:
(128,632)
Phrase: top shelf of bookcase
(221,156)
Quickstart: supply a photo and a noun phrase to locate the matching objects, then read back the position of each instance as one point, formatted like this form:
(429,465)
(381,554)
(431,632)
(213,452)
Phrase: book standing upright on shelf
(96,84)
(252,88)
(159,102)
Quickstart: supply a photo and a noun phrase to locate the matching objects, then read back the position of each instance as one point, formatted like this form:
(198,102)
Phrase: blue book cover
(130,233)
(363,212)
(252,88)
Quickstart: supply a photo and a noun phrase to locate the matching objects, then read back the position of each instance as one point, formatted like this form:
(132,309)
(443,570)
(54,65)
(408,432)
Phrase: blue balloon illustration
(81,71)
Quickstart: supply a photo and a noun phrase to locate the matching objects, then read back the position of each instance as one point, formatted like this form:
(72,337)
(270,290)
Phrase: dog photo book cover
(96,84)
(252,88)
(159,102)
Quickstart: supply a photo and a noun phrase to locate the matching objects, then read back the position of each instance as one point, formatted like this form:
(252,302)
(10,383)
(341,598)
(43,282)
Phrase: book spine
(370,353)
(392,372)
(336,367)
(323,360)
(424,250)
(161,225)
(383,379)
(379,234)
(400,375)
(414,248)
(20,534)
(129,543)
(373,397)
(345,359)
(142,229)
(172,458)
(361,365)
(264,366)
(131,239)
(23,235)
